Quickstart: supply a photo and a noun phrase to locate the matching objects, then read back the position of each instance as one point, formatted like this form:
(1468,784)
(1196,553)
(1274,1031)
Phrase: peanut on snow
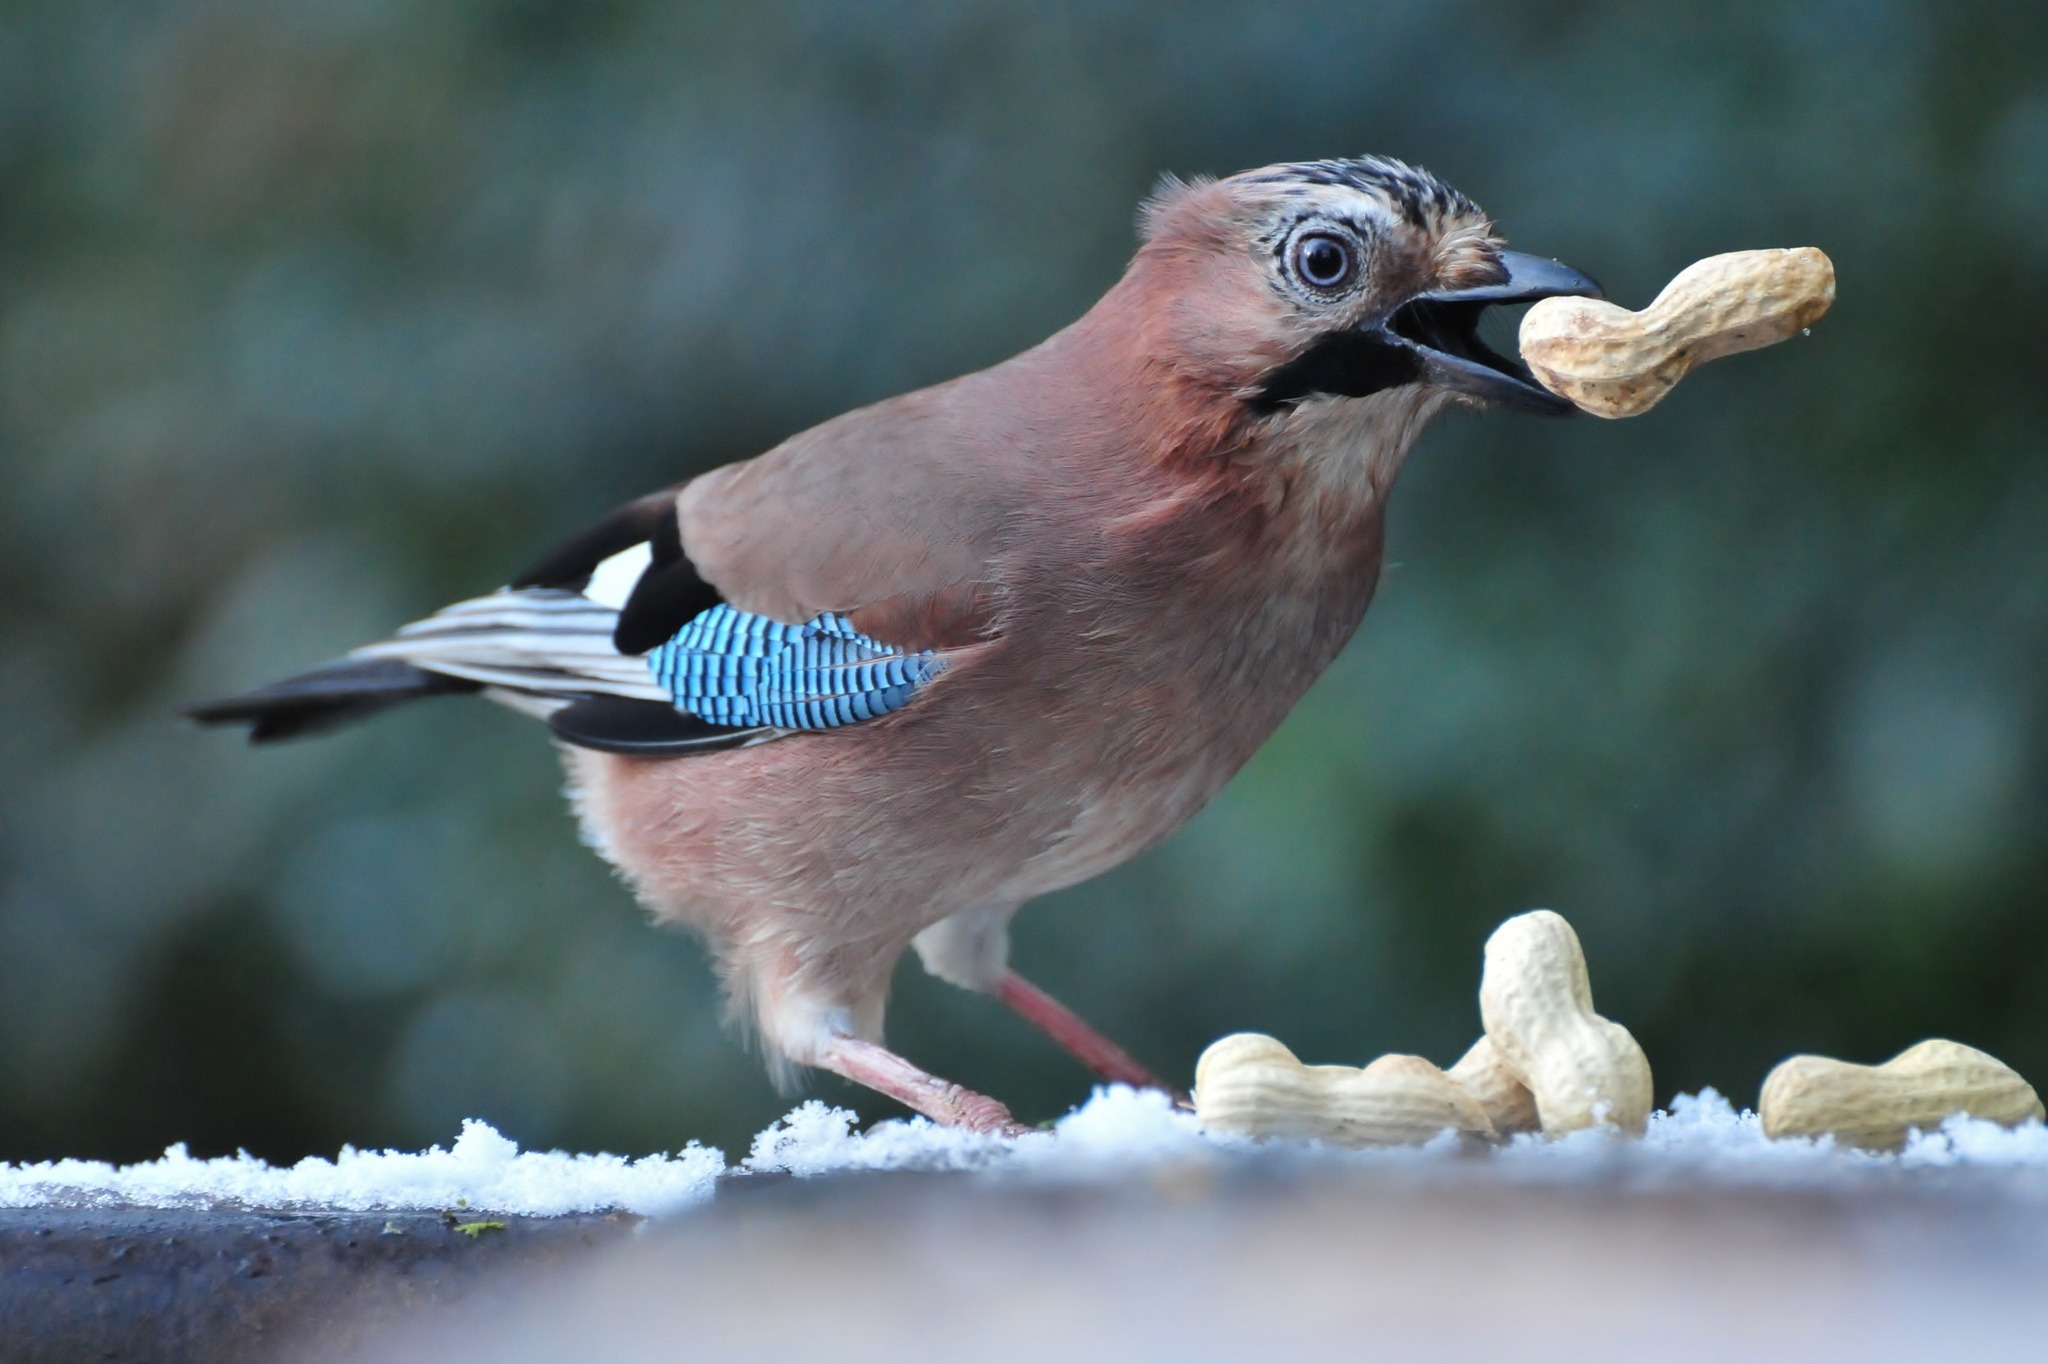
(1873,1107)
(1507,1102)
(1253,1086)
(1615,363)
(1537,1005)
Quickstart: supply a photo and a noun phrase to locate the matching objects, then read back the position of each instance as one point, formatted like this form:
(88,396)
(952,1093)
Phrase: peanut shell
(1537,1005)
(1507,1102)
(1615,363)
(1253,1086)
(1874,1107)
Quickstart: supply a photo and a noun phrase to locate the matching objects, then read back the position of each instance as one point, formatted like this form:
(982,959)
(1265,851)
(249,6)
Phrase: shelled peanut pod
(1615,363)
(1875,1107)
(1537,1004)
(1253,1086)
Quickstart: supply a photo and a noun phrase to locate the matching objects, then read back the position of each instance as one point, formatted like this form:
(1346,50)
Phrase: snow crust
(1700,1140)
(482,1171)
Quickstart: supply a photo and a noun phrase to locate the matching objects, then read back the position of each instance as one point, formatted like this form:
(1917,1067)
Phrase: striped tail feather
(538,646)
(537,650)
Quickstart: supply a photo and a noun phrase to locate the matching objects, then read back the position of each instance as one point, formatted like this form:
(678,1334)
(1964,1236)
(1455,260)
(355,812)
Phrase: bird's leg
(1086,1045)
(942,1101)
(971,949)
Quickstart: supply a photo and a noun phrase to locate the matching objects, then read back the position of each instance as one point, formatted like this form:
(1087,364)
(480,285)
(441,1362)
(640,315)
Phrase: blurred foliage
(315,314)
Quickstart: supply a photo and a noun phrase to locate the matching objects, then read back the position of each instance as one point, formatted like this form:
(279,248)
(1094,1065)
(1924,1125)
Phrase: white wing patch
(612,581)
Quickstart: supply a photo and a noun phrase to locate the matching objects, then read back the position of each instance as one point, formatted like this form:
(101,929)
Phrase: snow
(1701,1140)
(482,1170)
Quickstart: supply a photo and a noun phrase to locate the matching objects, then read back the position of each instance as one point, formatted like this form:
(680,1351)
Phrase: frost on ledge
(482,1170)
(1700,1139)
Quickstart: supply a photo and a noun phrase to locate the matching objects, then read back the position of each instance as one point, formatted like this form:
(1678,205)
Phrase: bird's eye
(1324,261)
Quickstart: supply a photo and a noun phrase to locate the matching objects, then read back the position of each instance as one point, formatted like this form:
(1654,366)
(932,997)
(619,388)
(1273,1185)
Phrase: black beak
(1433,338)
(1442,329)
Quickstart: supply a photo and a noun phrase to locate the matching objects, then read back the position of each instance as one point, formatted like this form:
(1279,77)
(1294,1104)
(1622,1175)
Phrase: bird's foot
(945,1103)
(1086,1045)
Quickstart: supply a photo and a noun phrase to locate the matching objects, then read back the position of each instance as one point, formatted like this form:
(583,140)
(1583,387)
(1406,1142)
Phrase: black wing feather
(668,596)
(642,729)
(570,565)
(327,698)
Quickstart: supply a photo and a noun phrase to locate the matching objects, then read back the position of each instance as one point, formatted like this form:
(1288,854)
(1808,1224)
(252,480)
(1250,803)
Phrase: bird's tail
(535,649)
(341,693)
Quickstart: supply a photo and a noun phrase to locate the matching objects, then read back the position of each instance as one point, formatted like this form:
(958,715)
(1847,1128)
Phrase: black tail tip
(326,698)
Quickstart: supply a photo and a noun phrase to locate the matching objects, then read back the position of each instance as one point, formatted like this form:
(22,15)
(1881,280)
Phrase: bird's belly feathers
(1159,747)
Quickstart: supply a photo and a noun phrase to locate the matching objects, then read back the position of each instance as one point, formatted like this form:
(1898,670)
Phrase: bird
(871,691)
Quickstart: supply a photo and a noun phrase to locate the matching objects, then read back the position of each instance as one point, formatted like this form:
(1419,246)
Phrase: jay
(883,684)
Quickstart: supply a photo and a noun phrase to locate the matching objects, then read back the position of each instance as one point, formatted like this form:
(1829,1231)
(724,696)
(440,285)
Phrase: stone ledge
(177,1285)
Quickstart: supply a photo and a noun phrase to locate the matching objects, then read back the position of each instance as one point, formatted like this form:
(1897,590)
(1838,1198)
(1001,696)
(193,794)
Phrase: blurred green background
(315,315)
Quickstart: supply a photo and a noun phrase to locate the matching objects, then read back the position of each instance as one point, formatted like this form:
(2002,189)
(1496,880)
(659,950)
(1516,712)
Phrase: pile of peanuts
(1548,1063)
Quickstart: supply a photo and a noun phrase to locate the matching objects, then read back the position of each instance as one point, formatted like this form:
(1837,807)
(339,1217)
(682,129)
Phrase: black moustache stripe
(1346,364)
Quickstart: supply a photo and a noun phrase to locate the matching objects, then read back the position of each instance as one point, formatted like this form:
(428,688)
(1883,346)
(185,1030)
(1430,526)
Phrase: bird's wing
(546,644)
(819,585)
(812,588)
(893,516)
(620,644)
(543,646)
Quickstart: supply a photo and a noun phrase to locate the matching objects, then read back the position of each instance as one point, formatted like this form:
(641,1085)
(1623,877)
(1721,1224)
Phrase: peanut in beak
(1615,363)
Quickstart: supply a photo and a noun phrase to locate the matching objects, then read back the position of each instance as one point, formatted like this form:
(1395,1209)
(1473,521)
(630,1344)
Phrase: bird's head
(1338,279)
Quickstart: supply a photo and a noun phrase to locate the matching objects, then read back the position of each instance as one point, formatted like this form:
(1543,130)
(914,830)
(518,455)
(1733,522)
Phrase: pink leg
(1088,1046)
(942,1101)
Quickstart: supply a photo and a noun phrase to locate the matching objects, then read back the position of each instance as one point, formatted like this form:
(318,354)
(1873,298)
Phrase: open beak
(1433,338)
(1442,330)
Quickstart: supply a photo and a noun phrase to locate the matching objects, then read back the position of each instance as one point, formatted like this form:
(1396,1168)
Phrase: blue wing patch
(732,667)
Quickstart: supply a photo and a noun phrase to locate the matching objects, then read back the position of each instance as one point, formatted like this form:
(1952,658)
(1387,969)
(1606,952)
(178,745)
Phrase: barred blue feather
(732,667)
